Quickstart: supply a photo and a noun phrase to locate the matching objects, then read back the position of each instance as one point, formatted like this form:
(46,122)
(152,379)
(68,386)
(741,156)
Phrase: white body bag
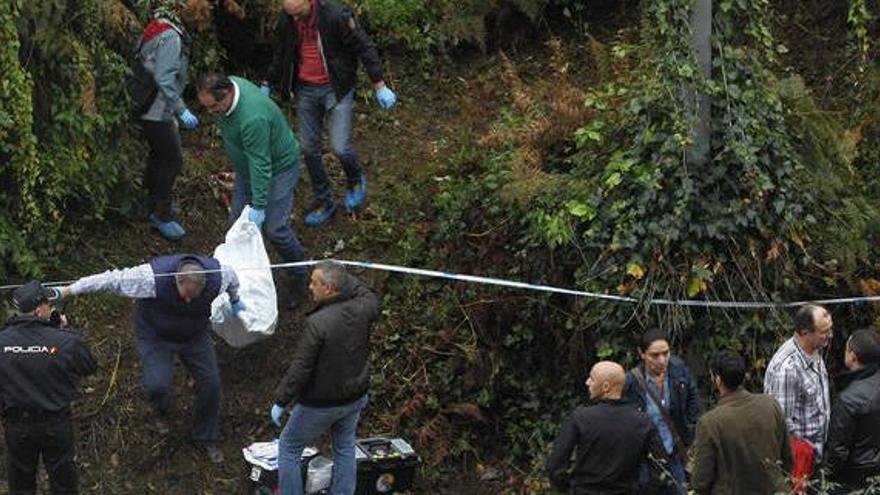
(245,252)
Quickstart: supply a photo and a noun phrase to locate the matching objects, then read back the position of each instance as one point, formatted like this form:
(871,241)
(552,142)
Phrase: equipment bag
(244,251)
(141,86)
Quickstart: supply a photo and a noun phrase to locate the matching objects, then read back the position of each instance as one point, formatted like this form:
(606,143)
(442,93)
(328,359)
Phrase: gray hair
(191,273)
(333,273)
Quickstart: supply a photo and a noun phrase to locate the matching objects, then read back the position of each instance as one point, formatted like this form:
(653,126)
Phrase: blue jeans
(312,104)
(304,426)
(200,359)
(277,226)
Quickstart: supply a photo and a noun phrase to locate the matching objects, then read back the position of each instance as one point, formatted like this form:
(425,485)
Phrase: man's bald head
(606,380)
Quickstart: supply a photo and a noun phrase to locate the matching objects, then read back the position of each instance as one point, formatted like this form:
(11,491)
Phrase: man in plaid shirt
(797,378)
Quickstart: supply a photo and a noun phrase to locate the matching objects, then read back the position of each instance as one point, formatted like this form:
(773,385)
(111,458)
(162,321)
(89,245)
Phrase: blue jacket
(684,401)
(167,316)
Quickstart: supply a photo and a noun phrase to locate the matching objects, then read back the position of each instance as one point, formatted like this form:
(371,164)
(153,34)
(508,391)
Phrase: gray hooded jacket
(165,57)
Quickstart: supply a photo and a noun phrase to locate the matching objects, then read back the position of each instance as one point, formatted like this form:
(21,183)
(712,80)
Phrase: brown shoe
(215,455)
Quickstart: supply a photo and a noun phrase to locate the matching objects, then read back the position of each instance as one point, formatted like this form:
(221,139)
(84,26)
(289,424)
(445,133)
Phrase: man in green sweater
(265,155)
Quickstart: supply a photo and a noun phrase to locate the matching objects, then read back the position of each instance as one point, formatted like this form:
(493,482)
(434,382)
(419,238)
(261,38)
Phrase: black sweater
(611,440)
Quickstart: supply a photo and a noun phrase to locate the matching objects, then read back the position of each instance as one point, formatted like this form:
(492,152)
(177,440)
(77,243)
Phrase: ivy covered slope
(63,142)
(565,163)
(584,181)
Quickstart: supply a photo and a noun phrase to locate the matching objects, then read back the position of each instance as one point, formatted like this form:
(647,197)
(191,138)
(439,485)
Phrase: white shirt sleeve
(138,282)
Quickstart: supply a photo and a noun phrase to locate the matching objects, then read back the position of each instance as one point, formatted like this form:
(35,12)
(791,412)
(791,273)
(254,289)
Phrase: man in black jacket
(40,368)
(319,44)
(328,377)
(852,451)
(611,439)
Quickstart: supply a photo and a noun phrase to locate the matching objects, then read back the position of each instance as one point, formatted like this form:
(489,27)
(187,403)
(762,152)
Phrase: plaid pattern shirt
(800,384)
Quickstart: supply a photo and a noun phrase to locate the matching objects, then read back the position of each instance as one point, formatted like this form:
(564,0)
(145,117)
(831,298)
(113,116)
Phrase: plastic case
(385,465)
(263,481)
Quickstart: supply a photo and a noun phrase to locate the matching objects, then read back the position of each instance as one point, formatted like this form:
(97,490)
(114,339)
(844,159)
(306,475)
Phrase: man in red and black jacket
(319,45)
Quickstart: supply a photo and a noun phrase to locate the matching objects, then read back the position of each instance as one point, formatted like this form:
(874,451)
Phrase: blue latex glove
(238,307)
(386,97)
(188,119)
(257,216)
(276,413)
(265,90)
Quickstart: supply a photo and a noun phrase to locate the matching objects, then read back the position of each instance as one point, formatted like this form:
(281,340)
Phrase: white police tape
(536,287)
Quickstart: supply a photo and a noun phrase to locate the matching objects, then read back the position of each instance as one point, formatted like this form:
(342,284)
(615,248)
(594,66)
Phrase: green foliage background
(584,181)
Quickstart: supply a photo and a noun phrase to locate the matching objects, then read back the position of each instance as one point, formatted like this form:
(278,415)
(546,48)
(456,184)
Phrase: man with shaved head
(610,438)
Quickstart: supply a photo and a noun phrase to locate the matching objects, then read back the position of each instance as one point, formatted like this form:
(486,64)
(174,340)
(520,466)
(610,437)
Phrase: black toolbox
(385,465)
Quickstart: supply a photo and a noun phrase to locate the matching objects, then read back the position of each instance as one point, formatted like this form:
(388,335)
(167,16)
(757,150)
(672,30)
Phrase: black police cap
(29,296)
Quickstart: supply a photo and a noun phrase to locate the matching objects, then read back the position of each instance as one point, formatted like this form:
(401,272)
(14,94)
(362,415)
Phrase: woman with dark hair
(663,388)
(162,50)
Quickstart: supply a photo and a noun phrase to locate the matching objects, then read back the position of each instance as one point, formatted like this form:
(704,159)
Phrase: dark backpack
(142,86)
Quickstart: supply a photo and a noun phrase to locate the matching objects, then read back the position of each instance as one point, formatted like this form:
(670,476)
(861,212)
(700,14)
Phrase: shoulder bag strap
(679,445)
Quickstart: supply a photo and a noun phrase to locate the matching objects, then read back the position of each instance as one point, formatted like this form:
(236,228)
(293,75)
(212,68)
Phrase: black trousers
(163,165)
(30,437)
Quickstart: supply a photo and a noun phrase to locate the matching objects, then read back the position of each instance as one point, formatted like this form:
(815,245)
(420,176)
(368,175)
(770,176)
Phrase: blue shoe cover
(320,216)
(170,230)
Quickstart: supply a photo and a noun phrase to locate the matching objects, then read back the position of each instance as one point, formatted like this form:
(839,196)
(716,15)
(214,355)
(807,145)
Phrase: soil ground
(404,151)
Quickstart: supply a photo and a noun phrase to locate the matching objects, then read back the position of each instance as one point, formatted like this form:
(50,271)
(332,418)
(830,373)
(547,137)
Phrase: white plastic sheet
(245,252)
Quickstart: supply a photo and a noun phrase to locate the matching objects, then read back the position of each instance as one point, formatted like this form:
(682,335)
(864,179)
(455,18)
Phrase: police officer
(40,369)
(174,294)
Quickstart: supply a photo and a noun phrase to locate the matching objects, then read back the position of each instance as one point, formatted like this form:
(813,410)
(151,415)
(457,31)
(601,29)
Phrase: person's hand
(189,119)
(276,413)
(238,307)
(257,216)
(65,291)
(386,97)
(265,89)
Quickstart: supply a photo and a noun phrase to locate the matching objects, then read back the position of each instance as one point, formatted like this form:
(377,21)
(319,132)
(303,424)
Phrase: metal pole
(700,104)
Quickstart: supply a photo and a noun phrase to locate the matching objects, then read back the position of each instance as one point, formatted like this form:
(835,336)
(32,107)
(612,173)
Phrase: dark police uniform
(40,369)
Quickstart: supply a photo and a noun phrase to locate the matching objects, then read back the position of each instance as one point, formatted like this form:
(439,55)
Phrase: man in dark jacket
(328,377)
(741,446)
(852,452)
(663,388)
(40,369)
(319,44)
(611,439)
(173,317)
